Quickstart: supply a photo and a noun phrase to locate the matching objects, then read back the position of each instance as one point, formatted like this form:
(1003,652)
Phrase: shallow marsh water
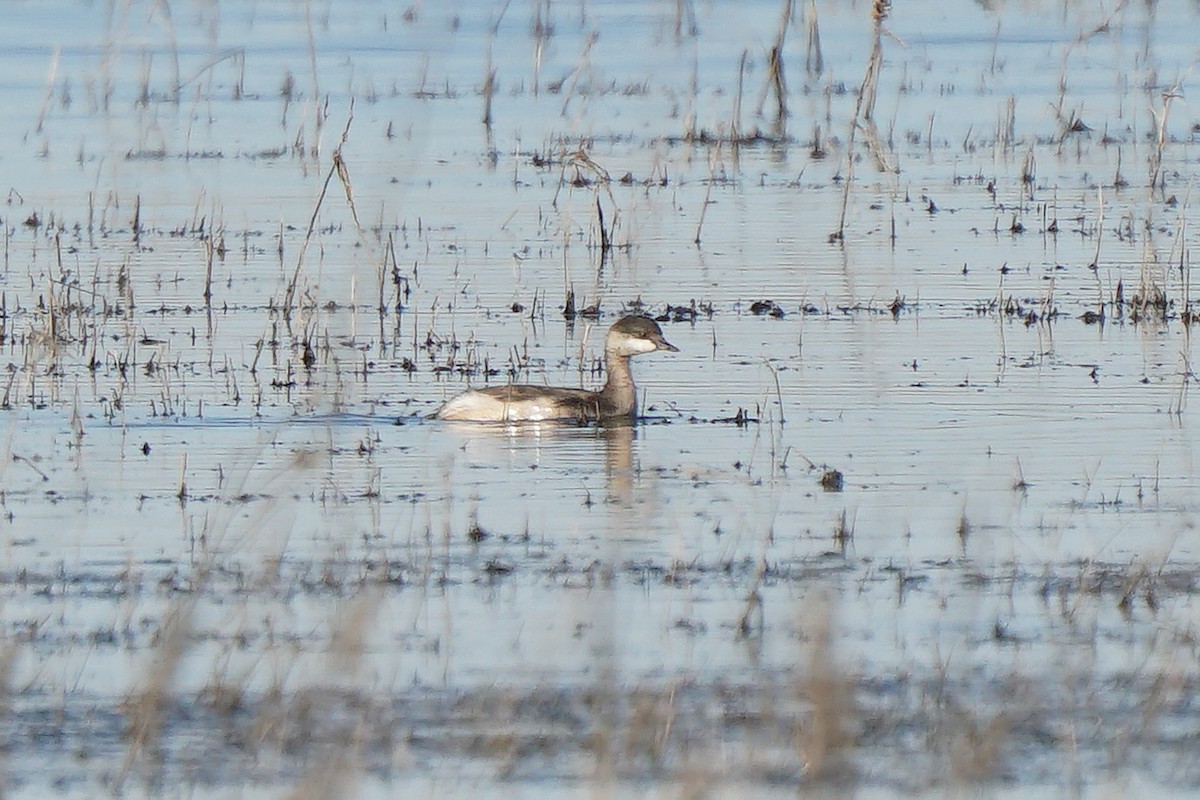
(230,572)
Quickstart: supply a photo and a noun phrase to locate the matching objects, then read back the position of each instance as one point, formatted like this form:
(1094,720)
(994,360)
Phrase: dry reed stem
(336,168)
(713,157)
(605,239)
(489,81)
(489,90)
(685,20)
(209,252)
(580,69)
(318,117)
(776,83)
(775,71)
(51,76)
(543,28)
(814,59)
(145,707)
(164,7)
(751,624)
(1160,133)
(824,740)
(735,124)
(778,389)
(864,113)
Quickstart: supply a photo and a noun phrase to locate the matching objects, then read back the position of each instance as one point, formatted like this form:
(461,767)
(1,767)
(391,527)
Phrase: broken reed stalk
(1065,126)
(183,480)
(751,623)
(336,168)
(684,13)
(318,117)
(605,239)
(1160,140)
(581,162)
(1179,252)
(735,125)
(389,259)
(343,173)
(870,92)
(209,250)
(541,35)
(1099,226)
(1006,134)
(489,81)
(580,70)
(714,156)
(51,77)
(775,71)
(778,389)
(145,707)
(864,109)
(814,60)
(1073,123)
(776,80)
(173,45)
(826,738)
(489,89)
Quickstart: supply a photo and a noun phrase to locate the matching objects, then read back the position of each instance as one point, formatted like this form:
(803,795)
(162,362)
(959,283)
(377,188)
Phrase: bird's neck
(619,393)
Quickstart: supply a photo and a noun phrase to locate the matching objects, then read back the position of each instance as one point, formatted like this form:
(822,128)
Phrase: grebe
(629,336)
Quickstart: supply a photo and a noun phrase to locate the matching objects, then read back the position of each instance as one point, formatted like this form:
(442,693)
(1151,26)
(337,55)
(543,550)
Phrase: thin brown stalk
(776,79)
(50,78)
(173,46)
(336,168)
(814,60)
(714,157)
(864,109)
(735,125)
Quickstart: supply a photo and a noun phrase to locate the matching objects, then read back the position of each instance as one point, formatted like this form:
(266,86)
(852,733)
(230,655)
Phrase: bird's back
(522,402)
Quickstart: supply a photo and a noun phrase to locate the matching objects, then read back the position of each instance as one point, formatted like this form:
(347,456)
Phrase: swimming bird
(628,337)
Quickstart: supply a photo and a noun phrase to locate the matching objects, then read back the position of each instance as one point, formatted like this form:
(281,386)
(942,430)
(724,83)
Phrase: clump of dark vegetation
(769,308)
(832,480)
